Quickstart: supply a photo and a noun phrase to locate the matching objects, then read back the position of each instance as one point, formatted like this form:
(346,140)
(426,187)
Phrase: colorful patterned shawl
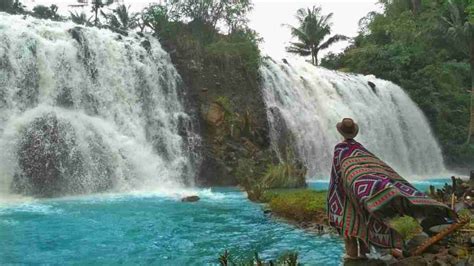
(364,193)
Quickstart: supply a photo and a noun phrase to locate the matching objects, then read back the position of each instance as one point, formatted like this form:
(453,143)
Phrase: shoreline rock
(193,198)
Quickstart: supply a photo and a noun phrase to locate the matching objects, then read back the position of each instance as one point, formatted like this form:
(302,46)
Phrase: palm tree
(461,31)
(96,6)
(80,19)
(121,19)
(312,30)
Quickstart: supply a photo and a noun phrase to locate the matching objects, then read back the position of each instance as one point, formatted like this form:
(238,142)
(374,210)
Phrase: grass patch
(284,175)
(300,205)
(406,226)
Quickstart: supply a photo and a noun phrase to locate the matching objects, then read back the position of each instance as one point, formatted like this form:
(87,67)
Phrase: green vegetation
(406,226)
(425,48)
(45,12)
(97,5)
(121,19)
(299,205)
(259,178)
(313,28)
(287,259)
(80,18)
(12,6)
(284,175)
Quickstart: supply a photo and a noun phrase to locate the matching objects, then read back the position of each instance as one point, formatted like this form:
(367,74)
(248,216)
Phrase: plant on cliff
(97,5)
(80,18)
(45,12)
(121,19)
(191,26)
(311,33)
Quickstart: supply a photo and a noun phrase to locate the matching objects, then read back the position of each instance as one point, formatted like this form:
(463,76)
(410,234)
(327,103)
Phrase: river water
(152,229)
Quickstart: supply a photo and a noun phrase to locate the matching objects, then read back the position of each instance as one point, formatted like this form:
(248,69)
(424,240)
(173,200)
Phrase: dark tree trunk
(415,6)
(96,13)
(314,57)
(471,122)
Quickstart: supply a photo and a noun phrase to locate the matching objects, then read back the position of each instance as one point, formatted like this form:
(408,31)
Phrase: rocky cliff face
(227,102)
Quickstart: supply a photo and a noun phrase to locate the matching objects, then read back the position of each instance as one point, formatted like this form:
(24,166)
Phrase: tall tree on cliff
(97,5)
(311,32)
(121,19)
(461,30)
(80,18)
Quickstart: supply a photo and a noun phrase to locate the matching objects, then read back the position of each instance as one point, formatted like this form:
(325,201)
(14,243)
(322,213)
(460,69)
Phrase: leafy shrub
(406,226)
(228,53)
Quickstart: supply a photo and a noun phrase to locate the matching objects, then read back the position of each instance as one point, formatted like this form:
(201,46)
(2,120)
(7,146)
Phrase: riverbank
(305,208)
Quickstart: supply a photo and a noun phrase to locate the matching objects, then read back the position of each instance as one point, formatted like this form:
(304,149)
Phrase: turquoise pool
(151,229)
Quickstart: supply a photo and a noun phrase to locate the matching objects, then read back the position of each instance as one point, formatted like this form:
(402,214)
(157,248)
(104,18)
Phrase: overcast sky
(269,15)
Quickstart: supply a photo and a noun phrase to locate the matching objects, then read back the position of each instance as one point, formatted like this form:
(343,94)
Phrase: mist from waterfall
(106,106)
(310,101)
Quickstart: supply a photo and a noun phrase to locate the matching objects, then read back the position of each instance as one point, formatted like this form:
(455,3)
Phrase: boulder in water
(193,198)
(50,162)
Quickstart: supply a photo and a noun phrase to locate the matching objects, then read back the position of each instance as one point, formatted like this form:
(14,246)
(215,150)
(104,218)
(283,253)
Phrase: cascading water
(308,101)
(86,110)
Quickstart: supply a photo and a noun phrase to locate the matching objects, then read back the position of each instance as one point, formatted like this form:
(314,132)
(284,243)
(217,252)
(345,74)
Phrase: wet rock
(372,86)
(439,262)
(429,257)
(215,114)
(416,241)
(455,251)
(364,262)
(146,44)
(51,163)
(451,260)
(193,198)
(470,260)
(411,261)
(434,249)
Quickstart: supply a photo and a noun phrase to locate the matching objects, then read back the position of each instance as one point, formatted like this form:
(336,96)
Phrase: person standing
(365,194)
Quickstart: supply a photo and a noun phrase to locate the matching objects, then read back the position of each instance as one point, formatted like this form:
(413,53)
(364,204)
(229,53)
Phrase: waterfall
(85,110)
(308,101)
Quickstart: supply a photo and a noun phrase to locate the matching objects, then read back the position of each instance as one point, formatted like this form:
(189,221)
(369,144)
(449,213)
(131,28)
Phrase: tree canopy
(312,33)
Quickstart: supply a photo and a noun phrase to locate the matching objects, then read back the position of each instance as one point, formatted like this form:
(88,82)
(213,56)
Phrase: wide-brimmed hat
(348,128)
